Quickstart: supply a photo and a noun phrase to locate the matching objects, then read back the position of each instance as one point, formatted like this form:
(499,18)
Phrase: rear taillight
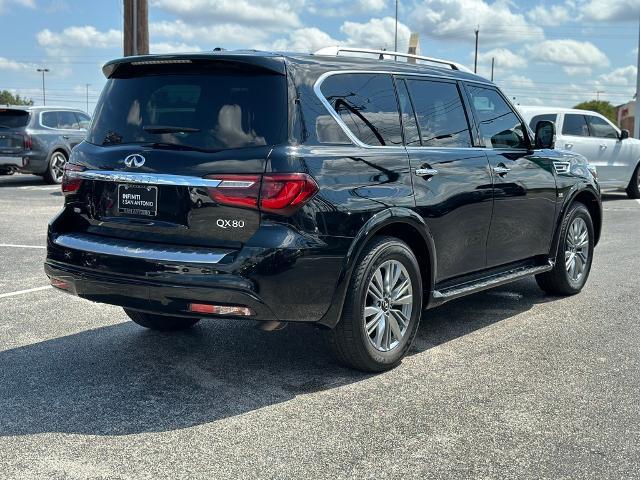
(280,193)
(27,142)
(71,184)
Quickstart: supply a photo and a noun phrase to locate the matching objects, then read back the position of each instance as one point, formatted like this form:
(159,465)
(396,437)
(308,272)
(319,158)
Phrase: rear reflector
(279,193)
(70,184)
(61,284)
(236,311)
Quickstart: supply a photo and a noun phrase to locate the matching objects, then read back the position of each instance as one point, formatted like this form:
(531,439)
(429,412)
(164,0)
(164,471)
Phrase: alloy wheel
(58,161)
(576,254)
(388,305)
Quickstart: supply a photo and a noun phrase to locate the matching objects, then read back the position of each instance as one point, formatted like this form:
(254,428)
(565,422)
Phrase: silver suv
(39,140)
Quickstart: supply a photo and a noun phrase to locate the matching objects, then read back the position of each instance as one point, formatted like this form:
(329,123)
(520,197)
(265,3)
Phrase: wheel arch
(590,199)
(397,222)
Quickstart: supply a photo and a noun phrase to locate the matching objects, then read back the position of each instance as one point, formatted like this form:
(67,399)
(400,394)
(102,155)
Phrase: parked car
(609,149)
(39,140)
(354,195)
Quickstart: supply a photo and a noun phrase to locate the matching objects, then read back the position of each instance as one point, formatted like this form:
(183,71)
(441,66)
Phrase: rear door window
(440,112)
(601,128)
(575,125)
(367,104)
(210,111)
(10,118)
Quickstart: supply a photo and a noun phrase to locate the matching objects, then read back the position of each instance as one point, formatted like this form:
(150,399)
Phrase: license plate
(138,200)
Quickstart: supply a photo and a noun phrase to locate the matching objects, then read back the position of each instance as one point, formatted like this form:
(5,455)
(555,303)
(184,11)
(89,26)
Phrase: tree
(602,107)
(8,98)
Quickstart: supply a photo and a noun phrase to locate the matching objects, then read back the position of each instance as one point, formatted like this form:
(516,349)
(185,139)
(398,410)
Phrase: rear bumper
(28,161)
(13,162)
(295,283)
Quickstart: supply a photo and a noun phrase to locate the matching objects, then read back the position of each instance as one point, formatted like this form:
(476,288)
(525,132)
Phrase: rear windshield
(204,111)
(13,118)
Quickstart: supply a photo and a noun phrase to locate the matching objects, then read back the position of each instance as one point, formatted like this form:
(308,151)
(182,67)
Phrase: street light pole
(636,119)
(395,45)
(44,92)
(87,85)
(475,63)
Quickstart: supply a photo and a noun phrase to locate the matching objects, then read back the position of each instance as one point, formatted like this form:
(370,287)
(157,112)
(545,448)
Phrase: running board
(444,295)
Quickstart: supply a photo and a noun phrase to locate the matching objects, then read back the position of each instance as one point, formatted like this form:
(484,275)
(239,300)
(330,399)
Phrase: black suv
(349,192)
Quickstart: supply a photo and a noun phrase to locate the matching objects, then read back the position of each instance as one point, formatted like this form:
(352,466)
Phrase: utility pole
(598,92)
(87,85)
(475,63)
(44,91)
(493,64)
(136,27)
(636,118)
(395,45)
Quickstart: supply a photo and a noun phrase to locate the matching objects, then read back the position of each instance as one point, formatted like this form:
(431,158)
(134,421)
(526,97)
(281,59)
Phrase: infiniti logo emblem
(136,160)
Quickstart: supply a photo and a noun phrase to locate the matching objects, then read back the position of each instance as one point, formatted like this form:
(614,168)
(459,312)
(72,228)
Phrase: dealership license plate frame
(146,193)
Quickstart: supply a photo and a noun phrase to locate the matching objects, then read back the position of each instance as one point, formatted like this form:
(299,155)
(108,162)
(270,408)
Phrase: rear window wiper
(168,129)
(178,146)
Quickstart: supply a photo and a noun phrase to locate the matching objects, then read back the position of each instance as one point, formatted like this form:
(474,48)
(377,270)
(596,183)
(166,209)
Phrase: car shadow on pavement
(122,379)
(21,181)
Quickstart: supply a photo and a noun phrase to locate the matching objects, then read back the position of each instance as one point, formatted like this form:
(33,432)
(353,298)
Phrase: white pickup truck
(615,155)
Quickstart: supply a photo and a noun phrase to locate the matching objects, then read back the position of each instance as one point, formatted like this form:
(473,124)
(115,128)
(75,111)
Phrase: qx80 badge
(136,160)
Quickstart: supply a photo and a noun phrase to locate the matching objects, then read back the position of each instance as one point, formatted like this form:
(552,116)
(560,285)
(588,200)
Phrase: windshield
(202,111)
(13,118)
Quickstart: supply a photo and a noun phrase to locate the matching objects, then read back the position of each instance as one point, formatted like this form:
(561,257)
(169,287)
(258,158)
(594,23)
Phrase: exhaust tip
(271,326)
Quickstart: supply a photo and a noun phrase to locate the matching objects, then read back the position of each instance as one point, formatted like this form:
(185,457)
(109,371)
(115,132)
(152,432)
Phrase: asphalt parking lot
(508,383)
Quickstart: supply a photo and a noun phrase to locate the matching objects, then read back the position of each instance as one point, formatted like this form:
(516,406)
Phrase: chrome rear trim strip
(143,178)
(130,249)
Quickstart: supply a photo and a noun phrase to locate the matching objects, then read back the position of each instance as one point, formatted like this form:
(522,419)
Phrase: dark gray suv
(39,140)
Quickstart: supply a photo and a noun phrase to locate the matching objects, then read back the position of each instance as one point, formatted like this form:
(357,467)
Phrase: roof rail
(335,51)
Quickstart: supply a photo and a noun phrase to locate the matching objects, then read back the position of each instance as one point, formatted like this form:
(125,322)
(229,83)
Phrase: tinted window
(601,128)
(411,133)
(440,113)
(50,119)
(68,121)
(217,111)
(367,105)
(575,125)
(13,118)
(83,120)
(539,118)
(500,127)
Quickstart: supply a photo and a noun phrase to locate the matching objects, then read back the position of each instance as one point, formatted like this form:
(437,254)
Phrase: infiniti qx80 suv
(346,191)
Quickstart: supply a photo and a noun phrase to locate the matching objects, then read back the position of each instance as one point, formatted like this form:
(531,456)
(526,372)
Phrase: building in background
(626,116)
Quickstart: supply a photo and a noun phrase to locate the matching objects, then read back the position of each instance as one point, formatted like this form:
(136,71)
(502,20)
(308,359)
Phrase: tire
(160,323)
(351,344)
(53,175)
(6,172)
(633,189)
(563,280)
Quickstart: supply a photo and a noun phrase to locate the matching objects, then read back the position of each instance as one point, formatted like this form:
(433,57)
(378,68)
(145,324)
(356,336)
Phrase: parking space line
(11,245)
(22,292)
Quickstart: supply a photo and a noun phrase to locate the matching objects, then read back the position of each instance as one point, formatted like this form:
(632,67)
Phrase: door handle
(66,137)
(568,145)
(500,170)
(426,172)
(603,147)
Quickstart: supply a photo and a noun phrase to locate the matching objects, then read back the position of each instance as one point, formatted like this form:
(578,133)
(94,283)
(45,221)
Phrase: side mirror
(545,134)
(624,134)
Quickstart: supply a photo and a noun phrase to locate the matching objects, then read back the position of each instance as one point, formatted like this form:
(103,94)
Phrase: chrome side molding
(143,178)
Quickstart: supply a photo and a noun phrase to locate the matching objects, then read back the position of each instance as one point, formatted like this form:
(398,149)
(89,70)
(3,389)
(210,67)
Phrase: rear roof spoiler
(268,62)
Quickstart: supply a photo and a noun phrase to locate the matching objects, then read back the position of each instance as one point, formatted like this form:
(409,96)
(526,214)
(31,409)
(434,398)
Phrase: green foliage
(602,107)
(8,98)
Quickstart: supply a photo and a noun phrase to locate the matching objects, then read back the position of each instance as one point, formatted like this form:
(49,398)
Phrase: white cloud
(457,19)
(552,16)
(224,35)
(265,14)
(305,40)
(86,36)
(578,71)
(519,81)
(167,47)
(6,4)
(622,77)
(570,54)
(12,65)
(608,10)
(505,58)
(376,33)
(343,8)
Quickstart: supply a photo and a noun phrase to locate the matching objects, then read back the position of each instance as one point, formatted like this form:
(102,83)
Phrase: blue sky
(556,52)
